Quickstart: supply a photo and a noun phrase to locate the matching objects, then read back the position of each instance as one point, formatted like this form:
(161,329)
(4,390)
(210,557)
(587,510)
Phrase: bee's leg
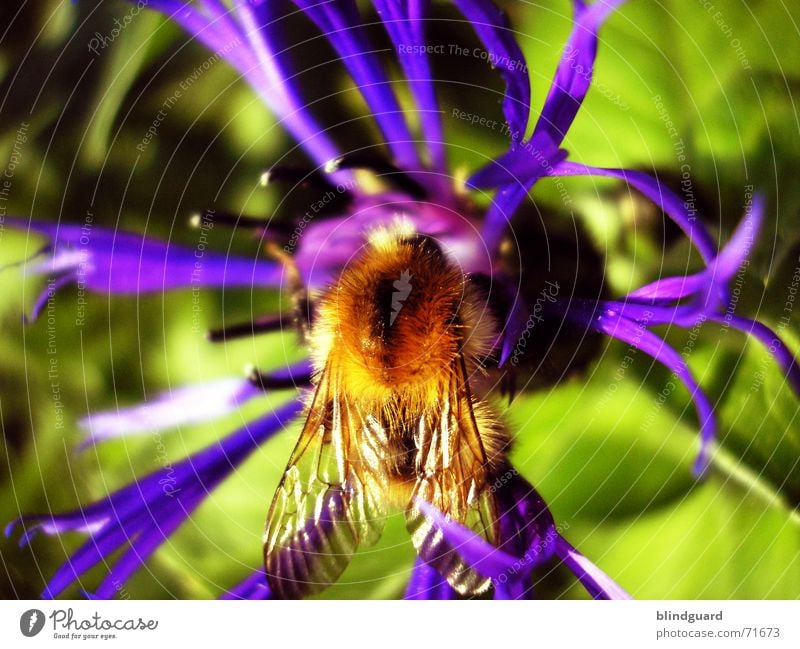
(495,296)
(280,380)
(508,384)
(303,314)
(267,324)
(302,304)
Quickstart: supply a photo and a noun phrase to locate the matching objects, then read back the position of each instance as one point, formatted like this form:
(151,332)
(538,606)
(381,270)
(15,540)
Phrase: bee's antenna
(381,168)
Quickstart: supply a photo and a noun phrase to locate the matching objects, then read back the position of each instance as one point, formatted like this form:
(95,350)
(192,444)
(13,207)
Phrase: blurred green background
(614,464)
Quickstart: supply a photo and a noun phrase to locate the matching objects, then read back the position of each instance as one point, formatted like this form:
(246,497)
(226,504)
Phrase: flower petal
(527,528)
(119,262)
(740,245)
(492,27)
(139,551)
(405,23)
(183,406)
(253,587)
(771,341)
(427,583)
(147,510)
(670,288)
(498,217)
(653,189)
(481,556)
(235,36)
(574,73)
(509,197)
(615,325)
(598,584)
(341,23)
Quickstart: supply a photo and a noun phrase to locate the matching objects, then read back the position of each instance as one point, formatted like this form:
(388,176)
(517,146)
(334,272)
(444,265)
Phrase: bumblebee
(398,345)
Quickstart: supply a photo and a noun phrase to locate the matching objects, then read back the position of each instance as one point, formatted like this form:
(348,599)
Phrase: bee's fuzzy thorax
(398,318)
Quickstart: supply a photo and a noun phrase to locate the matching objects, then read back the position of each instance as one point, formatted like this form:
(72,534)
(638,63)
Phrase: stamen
(382,168)
(296,176)
(229,219)
(338,197)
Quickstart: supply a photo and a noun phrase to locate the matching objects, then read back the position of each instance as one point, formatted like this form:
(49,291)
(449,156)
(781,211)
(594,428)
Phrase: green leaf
(719,542)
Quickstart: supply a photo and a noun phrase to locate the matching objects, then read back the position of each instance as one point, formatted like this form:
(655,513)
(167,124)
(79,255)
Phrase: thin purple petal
(597,583)
(427,583)
(671,288)
(139,551)
(492,27)
(119,262)
(771,341)
(481,556)
(636,334)
(405,23)
(741,243)
(156,502)
(574,73)
(236,37)
(183,406)
(651,187)
(341,23)
(527,528)
(253,587)
(501,211)
(510,195)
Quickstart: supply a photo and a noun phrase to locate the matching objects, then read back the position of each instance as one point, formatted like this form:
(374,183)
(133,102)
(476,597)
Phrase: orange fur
(403,372)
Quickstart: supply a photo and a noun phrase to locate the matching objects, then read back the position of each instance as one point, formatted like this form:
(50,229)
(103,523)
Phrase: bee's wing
(331,498)
(453,475)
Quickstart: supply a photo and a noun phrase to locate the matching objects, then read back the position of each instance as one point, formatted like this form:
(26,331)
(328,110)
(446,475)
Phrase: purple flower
(412,185)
